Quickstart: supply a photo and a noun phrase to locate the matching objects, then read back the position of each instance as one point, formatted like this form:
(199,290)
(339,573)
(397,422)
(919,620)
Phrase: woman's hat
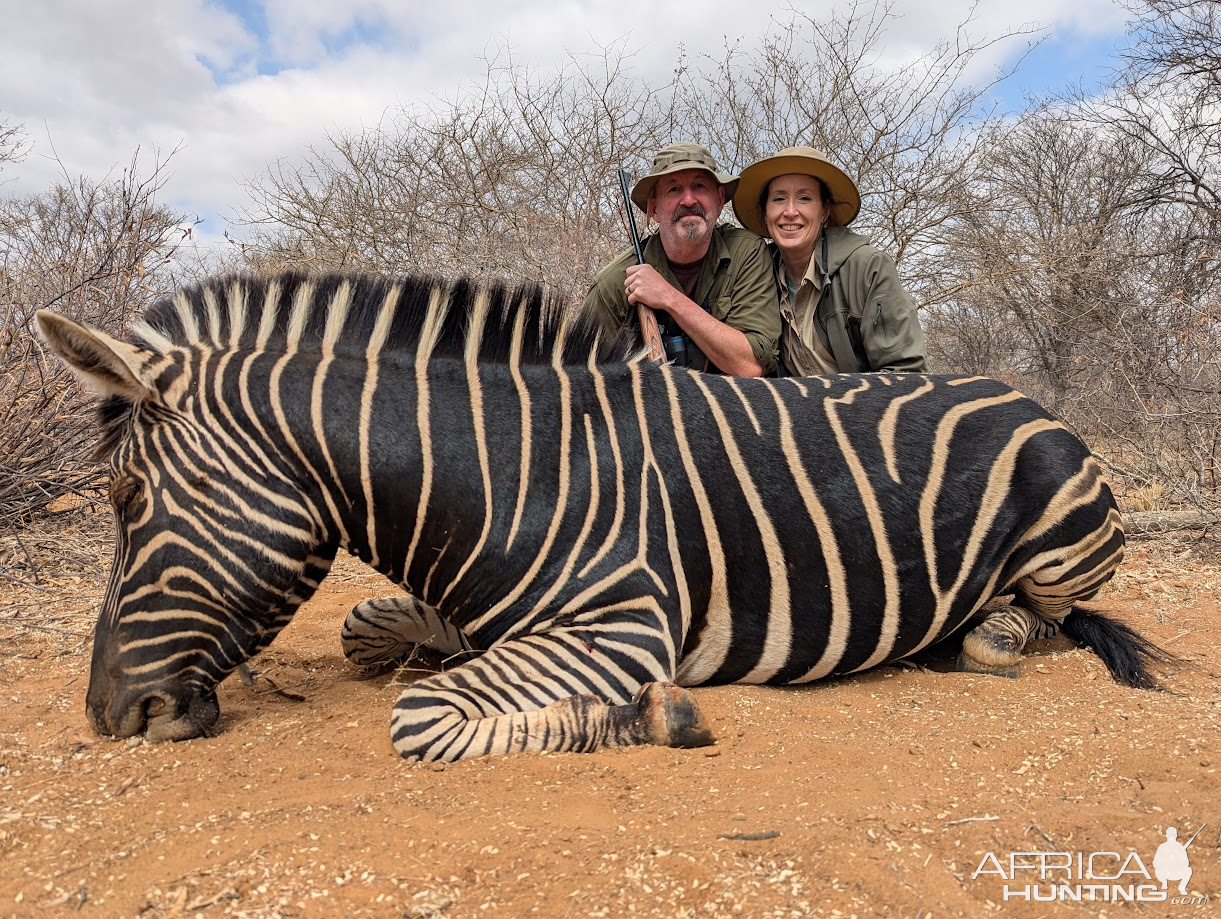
(676,158)
(801,161)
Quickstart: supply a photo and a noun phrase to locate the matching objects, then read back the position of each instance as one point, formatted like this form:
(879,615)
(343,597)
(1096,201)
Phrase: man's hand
(644,285)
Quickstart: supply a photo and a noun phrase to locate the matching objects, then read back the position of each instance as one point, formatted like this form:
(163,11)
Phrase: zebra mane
(488,323)
(347,314)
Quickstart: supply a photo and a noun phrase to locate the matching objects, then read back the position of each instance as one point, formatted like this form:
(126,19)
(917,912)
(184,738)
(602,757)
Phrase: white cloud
(238,87)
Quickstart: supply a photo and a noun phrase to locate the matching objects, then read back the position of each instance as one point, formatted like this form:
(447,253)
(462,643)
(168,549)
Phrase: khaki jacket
(851,299)
(736,285)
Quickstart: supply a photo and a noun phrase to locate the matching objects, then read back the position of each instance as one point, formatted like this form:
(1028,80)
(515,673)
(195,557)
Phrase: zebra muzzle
(159,716)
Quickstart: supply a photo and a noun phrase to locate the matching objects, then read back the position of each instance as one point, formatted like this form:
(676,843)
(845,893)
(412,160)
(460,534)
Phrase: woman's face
(795,213)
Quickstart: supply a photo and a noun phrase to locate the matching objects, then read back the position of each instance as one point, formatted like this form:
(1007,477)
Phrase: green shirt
(736,284)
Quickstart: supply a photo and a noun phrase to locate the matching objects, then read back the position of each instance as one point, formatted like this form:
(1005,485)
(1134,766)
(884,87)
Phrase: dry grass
(52,578)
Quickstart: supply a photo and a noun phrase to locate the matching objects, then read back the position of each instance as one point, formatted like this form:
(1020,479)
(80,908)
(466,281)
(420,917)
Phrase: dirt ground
(882,794)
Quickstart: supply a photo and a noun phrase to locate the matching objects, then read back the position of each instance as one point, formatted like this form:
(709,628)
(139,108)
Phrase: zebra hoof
(967,664)
(671,718)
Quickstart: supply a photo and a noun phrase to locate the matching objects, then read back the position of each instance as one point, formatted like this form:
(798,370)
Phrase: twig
(284,690)
(227,894)
(1051,842)
(987,819)
(9,612)
(55,618)
(24,583)
(750,837)
(24,624)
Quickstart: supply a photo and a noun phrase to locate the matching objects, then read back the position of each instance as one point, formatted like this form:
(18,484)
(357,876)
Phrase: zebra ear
(106,365)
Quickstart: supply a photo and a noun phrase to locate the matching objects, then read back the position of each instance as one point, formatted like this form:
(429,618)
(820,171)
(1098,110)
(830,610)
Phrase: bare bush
(1088,262)
(516,176)
(1041,250)
(95,252)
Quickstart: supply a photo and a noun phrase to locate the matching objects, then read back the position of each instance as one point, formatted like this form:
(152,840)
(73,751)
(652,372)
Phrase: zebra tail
(1127,654)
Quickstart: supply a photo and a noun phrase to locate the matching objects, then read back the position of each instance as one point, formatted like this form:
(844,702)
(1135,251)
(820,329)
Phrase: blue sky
(1066,57)
(232,85)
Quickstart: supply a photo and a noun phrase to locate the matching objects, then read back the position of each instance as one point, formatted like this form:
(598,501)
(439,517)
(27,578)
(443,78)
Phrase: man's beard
(692,230)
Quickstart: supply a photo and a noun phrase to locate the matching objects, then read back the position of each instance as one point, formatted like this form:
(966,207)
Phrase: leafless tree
(1166,102)
(95,252)
(1175,41)
(516,176)
(908,133)
(1088,261)
(1041,248)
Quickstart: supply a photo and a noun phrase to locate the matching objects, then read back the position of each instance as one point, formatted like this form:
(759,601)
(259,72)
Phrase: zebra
(593,533)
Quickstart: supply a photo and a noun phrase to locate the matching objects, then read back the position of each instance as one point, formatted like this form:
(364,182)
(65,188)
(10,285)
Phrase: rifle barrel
(631,216)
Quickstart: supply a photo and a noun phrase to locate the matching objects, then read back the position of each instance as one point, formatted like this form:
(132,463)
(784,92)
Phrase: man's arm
(728,348)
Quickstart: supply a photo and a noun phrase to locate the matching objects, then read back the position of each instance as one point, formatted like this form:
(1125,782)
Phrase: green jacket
(860,311)
(736,285)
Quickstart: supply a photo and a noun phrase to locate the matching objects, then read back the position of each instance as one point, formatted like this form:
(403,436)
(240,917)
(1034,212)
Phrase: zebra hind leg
(537,694)
(387,630)
(995,646)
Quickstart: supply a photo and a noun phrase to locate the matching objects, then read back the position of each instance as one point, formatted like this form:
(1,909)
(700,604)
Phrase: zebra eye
(123,493)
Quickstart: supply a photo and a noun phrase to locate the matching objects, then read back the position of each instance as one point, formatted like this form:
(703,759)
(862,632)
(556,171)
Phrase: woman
(843,308)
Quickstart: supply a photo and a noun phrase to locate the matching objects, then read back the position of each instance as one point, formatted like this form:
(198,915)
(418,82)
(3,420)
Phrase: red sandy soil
(875,795)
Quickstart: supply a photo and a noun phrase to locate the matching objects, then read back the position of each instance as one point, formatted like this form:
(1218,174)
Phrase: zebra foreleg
(387,630)
(995,646)
(534,694)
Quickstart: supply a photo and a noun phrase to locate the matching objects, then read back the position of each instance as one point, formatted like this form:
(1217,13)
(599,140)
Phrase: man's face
(685,206)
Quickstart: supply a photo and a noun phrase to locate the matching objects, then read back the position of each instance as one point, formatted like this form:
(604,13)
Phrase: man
(713,285)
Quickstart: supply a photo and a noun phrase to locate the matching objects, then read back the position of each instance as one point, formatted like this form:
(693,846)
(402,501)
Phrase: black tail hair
(1127,654)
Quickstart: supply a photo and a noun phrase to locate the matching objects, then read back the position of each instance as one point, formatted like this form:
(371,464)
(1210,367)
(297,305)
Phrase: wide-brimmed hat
(800,161)
(676,158)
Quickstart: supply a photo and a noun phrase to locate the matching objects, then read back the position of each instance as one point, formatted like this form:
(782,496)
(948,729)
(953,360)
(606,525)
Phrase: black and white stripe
(591,526)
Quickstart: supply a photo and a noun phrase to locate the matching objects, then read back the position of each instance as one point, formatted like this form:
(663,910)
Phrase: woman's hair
(828,201)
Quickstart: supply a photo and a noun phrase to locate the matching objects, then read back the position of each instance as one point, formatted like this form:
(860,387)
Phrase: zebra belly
(857,609)
(813,652)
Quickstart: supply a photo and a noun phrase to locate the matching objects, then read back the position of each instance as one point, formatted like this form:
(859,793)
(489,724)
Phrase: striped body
(591,525)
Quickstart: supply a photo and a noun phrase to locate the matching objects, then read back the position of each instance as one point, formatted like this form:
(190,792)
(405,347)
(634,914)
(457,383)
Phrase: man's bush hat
(676,158)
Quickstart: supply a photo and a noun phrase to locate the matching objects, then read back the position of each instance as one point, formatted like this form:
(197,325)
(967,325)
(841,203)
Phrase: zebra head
(216,545)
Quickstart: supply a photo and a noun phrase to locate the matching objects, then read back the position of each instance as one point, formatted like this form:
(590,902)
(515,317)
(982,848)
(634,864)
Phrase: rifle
(648,321)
